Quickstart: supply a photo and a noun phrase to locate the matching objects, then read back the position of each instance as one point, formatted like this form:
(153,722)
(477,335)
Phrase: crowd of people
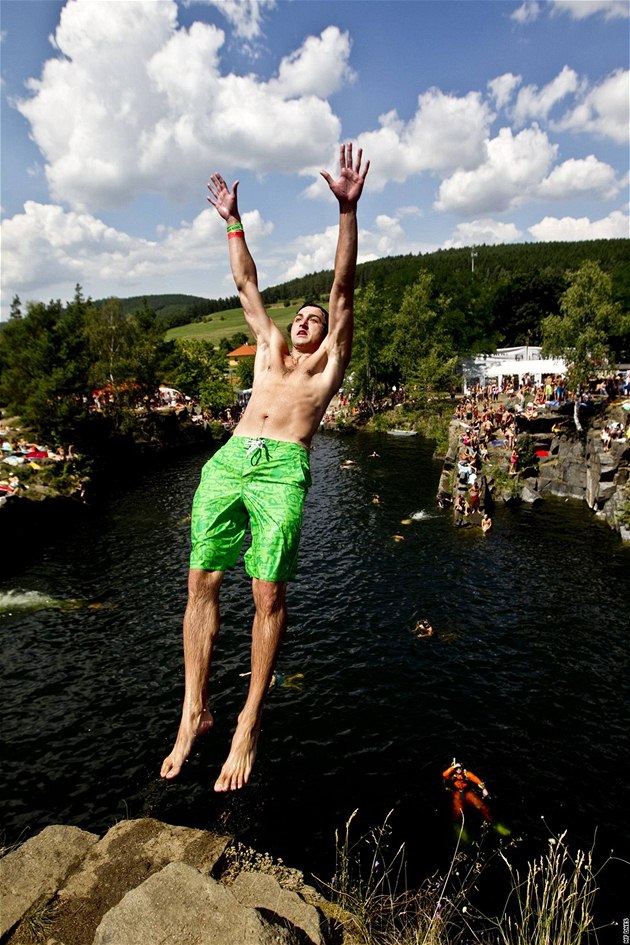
(485,423)
(488,416)
(16,452)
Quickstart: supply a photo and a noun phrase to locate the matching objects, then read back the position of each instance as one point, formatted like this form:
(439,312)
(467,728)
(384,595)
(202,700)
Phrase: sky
(485,121)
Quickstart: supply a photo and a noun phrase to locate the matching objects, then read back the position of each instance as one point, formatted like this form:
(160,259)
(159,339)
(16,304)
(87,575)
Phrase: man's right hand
(222,199)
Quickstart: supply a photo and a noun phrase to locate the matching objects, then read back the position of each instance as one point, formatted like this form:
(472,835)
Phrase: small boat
(402,432)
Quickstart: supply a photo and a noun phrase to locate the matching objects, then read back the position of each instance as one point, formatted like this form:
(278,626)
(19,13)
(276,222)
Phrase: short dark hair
(316,305)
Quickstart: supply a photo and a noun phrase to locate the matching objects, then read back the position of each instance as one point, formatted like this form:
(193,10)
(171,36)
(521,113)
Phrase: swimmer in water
(286,682)
(423,629)
(467,791)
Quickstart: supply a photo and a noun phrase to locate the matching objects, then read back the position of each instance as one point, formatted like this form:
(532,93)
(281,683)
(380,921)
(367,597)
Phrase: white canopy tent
(487,369)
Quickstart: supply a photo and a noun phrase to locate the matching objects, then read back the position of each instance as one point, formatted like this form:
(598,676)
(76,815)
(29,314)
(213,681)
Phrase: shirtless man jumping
(262,474)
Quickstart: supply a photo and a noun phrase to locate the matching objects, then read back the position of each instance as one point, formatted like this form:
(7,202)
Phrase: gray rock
(262,891)
(605,491)
(179,906)
(33,873)
(128,854)
(529,495)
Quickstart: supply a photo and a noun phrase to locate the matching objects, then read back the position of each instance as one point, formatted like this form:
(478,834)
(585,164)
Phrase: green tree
(580,333)
(371,370)
(110,335)
(245,373)
(422,343)
(202,374)
(44,369)
(150,356)
(233,342)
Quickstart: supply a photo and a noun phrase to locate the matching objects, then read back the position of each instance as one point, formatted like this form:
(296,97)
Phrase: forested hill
(504,263)
(514,285)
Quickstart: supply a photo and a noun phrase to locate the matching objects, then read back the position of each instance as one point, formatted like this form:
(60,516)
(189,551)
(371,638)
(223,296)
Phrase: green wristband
(234,227)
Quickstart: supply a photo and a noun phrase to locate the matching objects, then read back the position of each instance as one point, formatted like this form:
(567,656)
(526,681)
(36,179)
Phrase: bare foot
(188,732)
(238,766)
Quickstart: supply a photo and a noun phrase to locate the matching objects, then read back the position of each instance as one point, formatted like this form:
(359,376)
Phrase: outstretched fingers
(219,190)
(346,160)
(214,186)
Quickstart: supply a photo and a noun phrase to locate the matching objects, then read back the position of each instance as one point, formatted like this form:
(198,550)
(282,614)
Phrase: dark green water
(525,679)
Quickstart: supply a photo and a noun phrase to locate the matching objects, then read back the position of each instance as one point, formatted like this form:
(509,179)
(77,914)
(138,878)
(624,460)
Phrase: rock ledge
(150,883)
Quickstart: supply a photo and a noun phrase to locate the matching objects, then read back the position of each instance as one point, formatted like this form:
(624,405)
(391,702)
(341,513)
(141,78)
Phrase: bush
(526,449)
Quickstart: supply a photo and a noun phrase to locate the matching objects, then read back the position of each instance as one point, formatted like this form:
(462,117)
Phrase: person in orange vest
(465,788)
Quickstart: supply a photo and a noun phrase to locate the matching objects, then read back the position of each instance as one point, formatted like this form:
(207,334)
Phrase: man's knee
(204,584)
(269,596)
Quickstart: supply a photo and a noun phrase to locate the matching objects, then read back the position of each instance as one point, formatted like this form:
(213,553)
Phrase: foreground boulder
(34,872)
(182,906)
(150,883)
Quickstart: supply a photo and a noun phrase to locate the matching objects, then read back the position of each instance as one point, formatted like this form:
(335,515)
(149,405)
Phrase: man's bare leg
(268,630)
(201,628)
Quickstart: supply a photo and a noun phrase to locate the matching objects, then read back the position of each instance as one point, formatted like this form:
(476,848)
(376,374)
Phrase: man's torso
(289,399)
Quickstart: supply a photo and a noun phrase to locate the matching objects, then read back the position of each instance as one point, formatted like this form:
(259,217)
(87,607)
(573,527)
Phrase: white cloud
(527,12)
(446,132)
(409,210)
(320,67)
(47,246)
(317,251)
(576,178)
(551,229)
(603,111)
(140,105)
(530,10)
(483,231)
(502,88)
(245,16)
(389,227)
(532,103)
(514,168)
(581,9)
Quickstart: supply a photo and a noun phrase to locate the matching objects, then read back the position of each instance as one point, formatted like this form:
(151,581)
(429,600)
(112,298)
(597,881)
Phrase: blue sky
(485,122)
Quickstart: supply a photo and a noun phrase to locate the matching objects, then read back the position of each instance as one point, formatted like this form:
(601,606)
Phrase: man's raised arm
(241,262)
(347,189)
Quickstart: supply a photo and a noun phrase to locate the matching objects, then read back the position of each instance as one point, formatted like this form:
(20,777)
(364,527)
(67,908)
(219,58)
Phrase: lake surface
(525,679)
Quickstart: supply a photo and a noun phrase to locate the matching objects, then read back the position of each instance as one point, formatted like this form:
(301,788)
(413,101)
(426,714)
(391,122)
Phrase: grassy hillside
(226,323)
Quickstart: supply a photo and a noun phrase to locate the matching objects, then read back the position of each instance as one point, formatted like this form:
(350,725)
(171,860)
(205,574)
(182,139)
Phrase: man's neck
(298,356)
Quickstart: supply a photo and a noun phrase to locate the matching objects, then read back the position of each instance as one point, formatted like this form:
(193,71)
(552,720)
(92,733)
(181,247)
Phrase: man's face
(308,328)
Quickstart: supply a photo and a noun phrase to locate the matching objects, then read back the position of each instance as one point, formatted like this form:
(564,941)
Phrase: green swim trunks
(261,481)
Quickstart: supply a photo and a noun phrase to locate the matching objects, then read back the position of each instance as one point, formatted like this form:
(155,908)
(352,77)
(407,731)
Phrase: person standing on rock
(262,474)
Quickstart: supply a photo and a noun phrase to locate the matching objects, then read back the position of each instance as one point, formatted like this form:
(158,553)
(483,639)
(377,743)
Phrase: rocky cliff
(567,465)
(583,468)
(150,883)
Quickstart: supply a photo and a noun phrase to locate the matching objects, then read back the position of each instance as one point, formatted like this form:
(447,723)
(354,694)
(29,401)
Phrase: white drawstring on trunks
(256,444)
